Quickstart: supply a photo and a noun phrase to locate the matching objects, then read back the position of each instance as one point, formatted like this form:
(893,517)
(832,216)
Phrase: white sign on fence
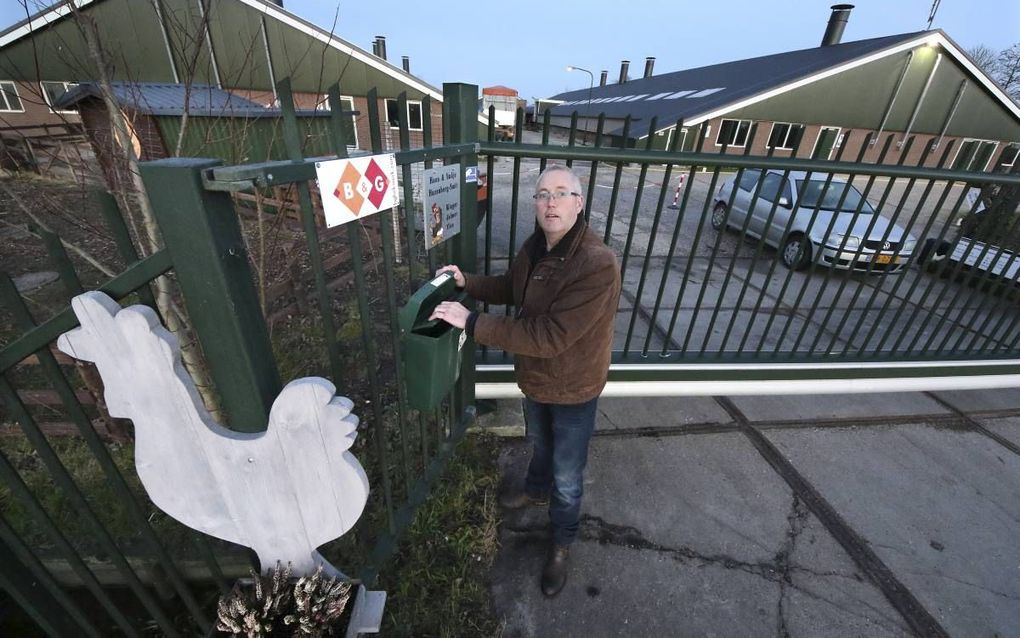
(441,204)
(358,187)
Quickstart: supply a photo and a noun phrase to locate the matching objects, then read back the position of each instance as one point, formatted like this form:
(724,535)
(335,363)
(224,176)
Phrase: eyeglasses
(546,196)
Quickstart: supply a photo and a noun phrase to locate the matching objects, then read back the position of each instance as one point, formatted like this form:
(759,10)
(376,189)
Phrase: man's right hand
(458,276)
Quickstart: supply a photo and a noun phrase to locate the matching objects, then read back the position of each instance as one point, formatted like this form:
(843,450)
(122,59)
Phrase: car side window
(749,178)
(770,187)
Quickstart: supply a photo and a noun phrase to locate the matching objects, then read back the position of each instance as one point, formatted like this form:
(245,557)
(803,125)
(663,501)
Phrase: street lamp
(587,111)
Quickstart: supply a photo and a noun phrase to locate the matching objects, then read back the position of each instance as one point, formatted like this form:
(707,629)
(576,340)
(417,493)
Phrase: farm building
(241,47)
(915,84)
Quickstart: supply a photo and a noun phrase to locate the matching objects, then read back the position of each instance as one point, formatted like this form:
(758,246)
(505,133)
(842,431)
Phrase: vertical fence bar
(985,278)
(614,196)
(718,240)
(515,203)
(107,205)
(848,272)
(460,124)
(938,270)
(379,435)
(631,228)
(660,204)
(814,259)
(21,492)
(202,235)
(763,293)
(51,369)
(593,173)
(694,247)
(667,267)
(572,135)
(857,292)
(546,128)
(891,294)
(292,141)
(18,568)
(752,134)
(759,247)
(975,282)
(66,483)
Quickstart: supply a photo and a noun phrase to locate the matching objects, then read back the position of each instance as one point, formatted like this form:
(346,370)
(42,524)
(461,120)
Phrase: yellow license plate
(886,259)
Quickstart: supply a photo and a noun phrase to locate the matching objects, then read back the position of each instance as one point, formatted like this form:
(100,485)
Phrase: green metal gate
(710,311)
(90,555)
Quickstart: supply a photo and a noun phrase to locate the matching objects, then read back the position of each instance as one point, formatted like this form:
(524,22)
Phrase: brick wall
(37,119)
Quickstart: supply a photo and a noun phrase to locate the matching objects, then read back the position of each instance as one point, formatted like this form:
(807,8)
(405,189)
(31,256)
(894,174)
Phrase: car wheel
(932,253)
(796,253)
(719,216)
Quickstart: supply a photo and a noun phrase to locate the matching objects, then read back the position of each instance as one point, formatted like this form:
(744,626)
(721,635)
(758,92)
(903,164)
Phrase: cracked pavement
(687,529)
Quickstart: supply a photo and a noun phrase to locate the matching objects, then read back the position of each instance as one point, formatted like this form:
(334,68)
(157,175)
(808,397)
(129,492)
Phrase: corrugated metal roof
(696,92)
(169,99)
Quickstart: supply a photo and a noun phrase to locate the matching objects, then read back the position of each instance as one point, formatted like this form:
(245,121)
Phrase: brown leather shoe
(554,574)
(518,500)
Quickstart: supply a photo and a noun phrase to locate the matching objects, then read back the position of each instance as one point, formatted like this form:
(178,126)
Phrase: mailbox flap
(415,314)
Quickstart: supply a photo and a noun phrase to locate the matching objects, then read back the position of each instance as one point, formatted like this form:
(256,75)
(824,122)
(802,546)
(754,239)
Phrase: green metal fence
(82,550)
(708,306)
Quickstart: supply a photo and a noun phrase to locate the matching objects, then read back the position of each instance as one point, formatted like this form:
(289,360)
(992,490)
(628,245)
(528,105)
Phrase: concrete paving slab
(982,400)
(619,413)
(1007,427)
(836,406)
(689,535)
(939,507)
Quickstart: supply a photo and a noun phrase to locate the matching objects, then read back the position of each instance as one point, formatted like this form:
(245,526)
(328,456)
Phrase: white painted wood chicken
(282,492)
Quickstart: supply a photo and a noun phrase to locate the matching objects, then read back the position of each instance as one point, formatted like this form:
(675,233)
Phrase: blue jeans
(560,435)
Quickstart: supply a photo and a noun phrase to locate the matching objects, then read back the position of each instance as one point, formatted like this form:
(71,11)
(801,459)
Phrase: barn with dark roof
(817,102)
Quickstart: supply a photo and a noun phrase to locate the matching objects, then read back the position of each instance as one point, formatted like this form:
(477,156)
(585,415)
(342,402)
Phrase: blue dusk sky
(528,45)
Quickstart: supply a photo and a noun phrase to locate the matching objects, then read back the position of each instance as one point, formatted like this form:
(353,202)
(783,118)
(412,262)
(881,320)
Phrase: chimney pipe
(375,48)
(649,63)
(623,71)
(406,61)
(382,46)
(602,80)
(837,22)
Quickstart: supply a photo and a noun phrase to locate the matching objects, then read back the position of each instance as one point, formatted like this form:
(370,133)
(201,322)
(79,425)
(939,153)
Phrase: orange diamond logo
(347,189)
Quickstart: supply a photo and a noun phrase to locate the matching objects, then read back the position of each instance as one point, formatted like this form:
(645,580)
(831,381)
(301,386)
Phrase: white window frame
(324,105)
(46,96)
(736,132)
(964,141)
(1016,147)
(421,111)
(5,105)
(787,143)
(836,143)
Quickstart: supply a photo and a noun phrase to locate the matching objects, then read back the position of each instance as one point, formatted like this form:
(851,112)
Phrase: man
(565,284)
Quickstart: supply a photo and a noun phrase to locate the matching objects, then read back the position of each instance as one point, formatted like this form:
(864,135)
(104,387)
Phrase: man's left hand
(452,313)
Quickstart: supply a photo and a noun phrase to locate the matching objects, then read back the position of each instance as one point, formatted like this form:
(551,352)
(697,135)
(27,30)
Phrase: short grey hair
(552,168)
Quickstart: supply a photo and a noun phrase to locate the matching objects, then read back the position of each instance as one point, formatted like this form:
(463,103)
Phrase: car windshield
(813,190)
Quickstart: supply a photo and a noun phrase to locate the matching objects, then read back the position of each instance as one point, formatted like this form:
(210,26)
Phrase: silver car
(812,218)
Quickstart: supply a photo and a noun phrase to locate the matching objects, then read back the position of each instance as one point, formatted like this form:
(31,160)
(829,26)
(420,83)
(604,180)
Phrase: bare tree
(1002,66)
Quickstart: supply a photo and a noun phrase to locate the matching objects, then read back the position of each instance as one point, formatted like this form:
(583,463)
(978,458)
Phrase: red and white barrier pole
(676,195)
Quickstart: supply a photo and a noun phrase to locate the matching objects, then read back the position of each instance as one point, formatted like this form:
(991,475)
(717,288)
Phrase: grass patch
(437,584)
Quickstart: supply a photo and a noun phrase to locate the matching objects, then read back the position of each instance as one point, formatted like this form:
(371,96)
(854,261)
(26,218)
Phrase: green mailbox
(430,349)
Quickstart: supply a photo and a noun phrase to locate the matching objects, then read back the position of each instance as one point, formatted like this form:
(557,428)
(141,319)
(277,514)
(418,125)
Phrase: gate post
(460,126)
(201,232)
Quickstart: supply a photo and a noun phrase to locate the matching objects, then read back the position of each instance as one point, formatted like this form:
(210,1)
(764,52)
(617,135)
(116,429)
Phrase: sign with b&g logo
(358,187)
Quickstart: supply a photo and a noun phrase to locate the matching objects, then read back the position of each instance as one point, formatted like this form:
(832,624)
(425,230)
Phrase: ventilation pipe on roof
(837,22)
(623,70)
(381,39)
(375,48)
(602,80)
(649,63)
(406,62)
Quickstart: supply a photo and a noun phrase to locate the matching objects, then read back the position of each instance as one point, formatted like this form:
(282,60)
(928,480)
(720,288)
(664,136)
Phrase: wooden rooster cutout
(282,492)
